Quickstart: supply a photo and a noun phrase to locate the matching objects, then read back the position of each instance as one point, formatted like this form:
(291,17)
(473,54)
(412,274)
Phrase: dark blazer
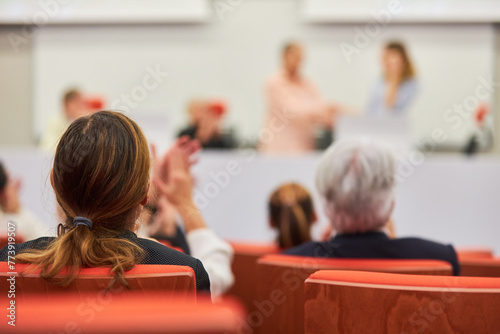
(221,141)
(377,245)
(155,253)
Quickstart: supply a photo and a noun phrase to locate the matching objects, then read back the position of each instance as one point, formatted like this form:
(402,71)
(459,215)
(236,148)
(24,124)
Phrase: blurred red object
(94,102)
(218,107)
(481,113)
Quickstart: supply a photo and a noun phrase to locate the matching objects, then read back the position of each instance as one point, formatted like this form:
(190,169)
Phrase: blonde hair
(101,172)
(291,212)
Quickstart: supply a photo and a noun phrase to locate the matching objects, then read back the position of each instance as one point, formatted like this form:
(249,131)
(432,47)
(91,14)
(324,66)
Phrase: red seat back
(142,278)
(244,268)
(379,303)
(281,282)
(122,313)
(480,267)
(474,253)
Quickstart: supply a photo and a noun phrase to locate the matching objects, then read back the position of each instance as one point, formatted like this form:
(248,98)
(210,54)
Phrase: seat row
(271,286)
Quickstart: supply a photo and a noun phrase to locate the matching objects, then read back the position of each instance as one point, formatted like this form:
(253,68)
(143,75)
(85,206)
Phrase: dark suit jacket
(155,253)
(221,141)
(377,245)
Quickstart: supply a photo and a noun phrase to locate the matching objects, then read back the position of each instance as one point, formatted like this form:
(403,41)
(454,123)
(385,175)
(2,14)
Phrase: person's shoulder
(429,249)
(411,82)
(312,248)
(307,81)
(275,79)
(417,240)
(39,243)
(427,246)
(157,253)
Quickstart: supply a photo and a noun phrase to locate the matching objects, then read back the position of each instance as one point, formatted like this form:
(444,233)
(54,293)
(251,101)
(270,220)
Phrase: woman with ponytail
(291,213)
(101,180)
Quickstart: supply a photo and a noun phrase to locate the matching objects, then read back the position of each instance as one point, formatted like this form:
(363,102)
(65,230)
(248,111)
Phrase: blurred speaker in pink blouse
(294,108)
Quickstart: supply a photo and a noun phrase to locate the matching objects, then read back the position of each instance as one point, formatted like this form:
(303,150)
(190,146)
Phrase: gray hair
(356,178)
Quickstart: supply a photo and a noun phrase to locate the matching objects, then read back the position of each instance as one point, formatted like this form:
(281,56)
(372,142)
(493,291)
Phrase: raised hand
(172,177)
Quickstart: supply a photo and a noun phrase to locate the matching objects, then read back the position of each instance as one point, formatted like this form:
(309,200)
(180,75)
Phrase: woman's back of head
(291,212)
(101,172)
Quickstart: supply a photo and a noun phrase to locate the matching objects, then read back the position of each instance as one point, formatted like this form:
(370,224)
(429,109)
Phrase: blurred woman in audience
(100,178)
(397,88)
(357,180)
(291,213)
(27,225)
(205,124)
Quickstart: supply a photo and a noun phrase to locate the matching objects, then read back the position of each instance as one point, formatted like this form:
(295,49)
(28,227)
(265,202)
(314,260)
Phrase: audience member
(357,180)
(291,213)
(101,178)
(205,121)
(74,106)
(195,238)
(397,88)
(27,225)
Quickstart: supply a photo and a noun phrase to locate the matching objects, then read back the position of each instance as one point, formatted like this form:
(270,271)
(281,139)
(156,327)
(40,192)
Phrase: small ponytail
(294,228)
(292,214)
(80,246)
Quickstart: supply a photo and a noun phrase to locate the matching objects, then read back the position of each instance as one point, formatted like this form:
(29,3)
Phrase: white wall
(16,91)
(407,11)
(103,11)
(232,57)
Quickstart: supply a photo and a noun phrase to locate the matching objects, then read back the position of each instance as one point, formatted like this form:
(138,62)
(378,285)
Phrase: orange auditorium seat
(122,313)
(142,278)
(351,302)
(244,269)
(280,298)
(480,267)
(474,253)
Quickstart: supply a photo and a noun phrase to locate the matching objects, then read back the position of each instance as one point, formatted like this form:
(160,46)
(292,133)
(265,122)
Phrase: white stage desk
(449,198)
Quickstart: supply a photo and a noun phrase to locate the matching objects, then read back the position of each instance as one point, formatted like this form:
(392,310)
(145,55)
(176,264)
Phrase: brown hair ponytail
(100,172)
(291,212)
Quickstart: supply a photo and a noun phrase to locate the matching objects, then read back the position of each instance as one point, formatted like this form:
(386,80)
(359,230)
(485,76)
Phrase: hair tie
(83,221)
